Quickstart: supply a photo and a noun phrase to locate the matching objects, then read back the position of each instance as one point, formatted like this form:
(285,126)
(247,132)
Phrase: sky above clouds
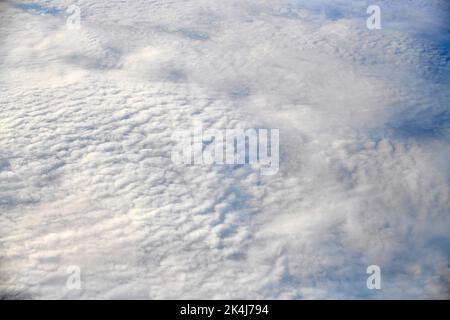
(86,177)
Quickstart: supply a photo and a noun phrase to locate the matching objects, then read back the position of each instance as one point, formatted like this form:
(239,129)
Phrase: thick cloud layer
(86,177)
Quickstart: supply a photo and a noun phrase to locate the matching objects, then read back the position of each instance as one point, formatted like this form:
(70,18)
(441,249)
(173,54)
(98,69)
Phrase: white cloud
(86,177)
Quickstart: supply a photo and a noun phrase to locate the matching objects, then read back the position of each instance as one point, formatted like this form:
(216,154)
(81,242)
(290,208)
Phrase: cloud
(85,141)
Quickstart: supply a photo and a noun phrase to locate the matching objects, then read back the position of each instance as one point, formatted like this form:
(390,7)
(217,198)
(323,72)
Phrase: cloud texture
(86,177)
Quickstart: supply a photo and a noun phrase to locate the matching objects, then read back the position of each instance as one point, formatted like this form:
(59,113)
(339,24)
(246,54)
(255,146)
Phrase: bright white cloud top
(86,179)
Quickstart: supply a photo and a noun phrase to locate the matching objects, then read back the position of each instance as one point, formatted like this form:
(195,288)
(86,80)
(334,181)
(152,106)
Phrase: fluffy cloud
(85,140)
